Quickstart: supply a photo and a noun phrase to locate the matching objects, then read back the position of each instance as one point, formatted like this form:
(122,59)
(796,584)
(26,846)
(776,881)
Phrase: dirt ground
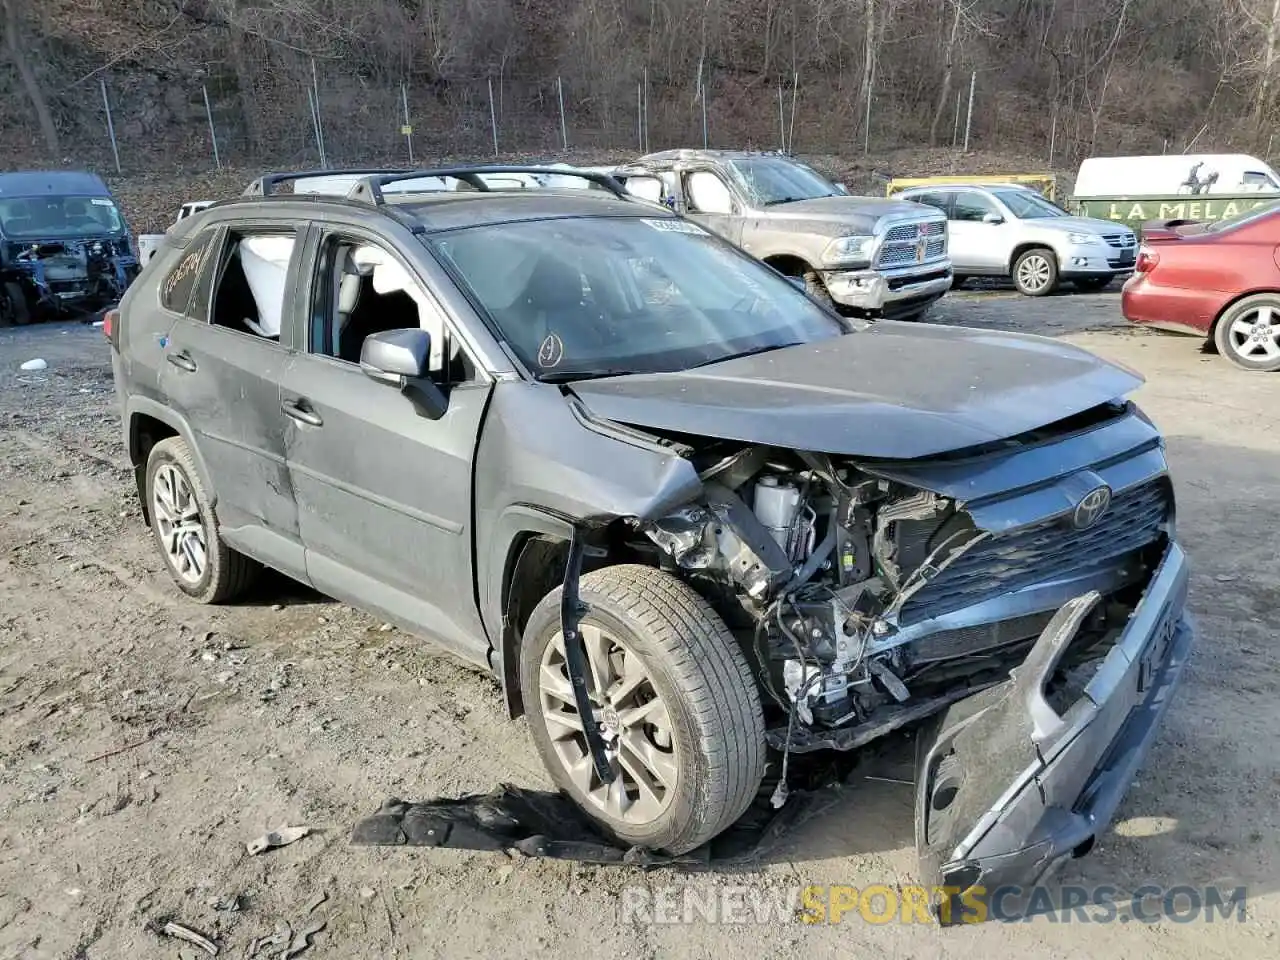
(144,740)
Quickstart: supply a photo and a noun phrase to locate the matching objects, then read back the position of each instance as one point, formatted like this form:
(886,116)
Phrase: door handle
(182,361)
(298,410)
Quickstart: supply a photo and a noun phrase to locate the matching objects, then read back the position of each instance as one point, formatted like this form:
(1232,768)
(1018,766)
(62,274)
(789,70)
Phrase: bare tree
(15,46)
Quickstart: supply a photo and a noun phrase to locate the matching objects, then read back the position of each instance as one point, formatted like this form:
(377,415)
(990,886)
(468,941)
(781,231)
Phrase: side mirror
(402,359)
(992,218)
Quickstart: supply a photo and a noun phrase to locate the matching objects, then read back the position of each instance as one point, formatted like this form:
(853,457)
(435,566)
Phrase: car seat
(553,303)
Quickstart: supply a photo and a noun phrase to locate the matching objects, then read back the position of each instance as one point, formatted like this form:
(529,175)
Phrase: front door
(709,202)
(977,246)
(224,360)
(384,494)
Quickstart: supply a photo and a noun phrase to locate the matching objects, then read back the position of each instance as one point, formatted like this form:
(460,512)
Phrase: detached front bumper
(881,291)
(1008,788)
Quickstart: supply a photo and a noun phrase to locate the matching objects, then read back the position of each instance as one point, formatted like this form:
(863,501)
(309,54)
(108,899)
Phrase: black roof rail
(369,189)
(265,185)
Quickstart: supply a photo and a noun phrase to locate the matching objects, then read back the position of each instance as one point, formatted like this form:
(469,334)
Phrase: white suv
(1007,230)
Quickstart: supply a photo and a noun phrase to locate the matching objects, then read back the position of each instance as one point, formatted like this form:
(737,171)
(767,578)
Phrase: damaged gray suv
(691,519)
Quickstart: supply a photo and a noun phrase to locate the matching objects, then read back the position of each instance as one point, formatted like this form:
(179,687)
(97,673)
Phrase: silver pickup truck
(864,255)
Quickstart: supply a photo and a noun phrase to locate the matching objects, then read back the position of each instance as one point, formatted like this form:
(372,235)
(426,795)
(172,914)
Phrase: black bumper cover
(1007,789)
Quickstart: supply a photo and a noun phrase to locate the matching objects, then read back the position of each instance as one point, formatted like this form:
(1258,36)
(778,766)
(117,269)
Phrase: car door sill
(270,548)
(407,611)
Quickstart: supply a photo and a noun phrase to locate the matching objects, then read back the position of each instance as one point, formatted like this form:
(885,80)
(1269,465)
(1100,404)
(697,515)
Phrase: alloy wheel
(178,521)
(1034,273)
(634,724)
(1255,335)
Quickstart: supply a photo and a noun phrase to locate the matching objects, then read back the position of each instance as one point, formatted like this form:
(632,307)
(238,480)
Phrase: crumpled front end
(1025,598)
(57,275)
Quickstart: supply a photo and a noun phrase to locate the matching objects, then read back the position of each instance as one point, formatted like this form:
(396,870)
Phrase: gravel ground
(144,740)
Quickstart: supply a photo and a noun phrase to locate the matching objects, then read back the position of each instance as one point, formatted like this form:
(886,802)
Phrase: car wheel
(814,286)
(1035,272)
(1248,333)
(679,710)
(1091,284)
(13,306)
(186,530)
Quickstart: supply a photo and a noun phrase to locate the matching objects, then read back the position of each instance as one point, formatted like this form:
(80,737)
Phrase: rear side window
(252,282)
(936,200)
(176,287)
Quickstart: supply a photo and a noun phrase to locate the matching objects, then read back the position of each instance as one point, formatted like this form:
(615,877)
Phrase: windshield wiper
(569,376)
(770,203)
(745,353)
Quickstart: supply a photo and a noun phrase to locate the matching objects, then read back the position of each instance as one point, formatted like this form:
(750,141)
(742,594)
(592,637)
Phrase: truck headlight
(1085,238)
(849,251)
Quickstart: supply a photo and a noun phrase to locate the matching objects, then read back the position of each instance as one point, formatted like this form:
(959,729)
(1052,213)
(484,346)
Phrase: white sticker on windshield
(101,202)
(677,226)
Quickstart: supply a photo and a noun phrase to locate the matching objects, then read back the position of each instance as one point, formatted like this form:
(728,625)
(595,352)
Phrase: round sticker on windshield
(551,351)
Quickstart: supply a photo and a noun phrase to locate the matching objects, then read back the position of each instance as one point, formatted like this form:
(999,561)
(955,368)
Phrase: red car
(1219,280)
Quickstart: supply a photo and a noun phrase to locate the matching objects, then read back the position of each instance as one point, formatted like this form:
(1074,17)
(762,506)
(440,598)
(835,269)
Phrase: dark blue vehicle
(64,245)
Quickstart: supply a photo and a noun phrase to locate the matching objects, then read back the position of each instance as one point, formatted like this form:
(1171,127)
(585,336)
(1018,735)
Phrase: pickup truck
(865,256)
(148,243)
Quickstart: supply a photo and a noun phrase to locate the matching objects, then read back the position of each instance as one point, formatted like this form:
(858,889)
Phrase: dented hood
(892,390)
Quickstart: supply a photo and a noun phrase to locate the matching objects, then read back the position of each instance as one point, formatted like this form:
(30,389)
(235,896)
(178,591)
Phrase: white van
(1192,174)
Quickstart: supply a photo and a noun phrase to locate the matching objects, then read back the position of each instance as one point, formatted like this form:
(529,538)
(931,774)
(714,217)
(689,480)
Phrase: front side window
(1028,205)
(599,296)
(772,180)
(361,289)
(47,218)
(707,193)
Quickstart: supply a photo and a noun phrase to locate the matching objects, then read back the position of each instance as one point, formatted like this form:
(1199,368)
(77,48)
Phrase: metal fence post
(782,121)
(315,122)
(646,146)
(213,133)
(955,130)
(795,91)
(968,120)
(564,130)
(1053,137)
(315,84)
(408,127)
(111,127)
(493,118)
(703,84)
(640,116)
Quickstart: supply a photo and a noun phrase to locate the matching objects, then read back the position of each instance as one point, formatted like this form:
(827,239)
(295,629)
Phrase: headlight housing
(1085,238)
(849,251)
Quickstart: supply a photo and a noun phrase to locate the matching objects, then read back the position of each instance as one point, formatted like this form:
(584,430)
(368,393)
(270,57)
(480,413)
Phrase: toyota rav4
(693,520)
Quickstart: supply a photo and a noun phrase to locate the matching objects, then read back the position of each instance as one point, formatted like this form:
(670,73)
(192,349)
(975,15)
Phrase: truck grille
(901,246)
(1046,550)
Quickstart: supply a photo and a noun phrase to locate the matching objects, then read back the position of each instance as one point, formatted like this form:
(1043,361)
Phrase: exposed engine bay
(57,276)
(868,604)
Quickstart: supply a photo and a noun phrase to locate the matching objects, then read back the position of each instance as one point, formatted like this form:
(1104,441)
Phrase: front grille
(901,244)
(1043,551)
(1122,240)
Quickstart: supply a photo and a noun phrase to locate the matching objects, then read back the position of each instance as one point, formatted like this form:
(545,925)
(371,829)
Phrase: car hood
(889,391)
(1098,228)
(846,207)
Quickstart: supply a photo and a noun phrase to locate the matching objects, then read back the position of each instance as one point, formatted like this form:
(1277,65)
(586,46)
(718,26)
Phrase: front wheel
(1035,272)
(678,709)
(1248,333)
(814,286)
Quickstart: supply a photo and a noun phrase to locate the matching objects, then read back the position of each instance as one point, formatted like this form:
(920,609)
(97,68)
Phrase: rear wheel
(1035,272)
(186,530)
(1248,333)
(674,696)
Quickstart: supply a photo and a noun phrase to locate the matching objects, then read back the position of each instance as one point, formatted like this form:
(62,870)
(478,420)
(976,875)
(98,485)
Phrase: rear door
(384,494)
(224,379)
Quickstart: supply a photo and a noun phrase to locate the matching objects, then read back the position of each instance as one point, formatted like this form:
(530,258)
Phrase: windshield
(589,297)
(1240,219)
(1026,205)
(769,180)
(58,217)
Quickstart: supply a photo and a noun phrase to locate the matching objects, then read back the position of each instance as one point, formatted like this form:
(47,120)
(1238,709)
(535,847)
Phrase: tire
(1035,272)
(224,574)
(1248,333)
(814,286)
(709,710)
(1091,284)
(14,310)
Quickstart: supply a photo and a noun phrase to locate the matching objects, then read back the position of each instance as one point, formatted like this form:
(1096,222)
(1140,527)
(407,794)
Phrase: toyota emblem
(1091,508)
